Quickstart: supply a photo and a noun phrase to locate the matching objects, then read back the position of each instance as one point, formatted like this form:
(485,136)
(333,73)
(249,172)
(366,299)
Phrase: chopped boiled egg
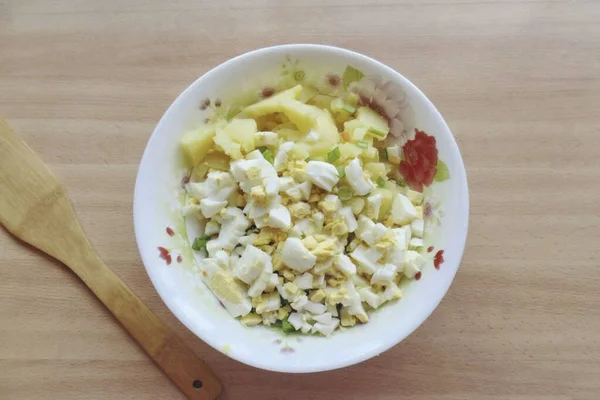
(252,262)
(210,207)
(256,171)
(296,256)
(330,204)
(403,211)
(394,154)
(211,228)
(368,296)
(260,284)
(356,178)
(384,275)
(412,264)
(224,286)
(279,217)
(418,227)
(286,183)
(281,157)
(322,174)
(373,205)
(349,219)
(265,138)
(415,243)
(370,231)
(367,258)
(304,281)
(345,265)
(299,191)
(233,227)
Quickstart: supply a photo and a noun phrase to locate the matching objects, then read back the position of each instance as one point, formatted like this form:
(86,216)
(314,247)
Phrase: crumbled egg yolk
(300,210)
(259,196)
(325,249)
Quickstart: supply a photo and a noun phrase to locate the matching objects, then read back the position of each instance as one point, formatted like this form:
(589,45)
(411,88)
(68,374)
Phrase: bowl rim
(383,345)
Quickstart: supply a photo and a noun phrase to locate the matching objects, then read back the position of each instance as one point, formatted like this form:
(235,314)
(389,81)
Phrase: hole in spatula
(197,384)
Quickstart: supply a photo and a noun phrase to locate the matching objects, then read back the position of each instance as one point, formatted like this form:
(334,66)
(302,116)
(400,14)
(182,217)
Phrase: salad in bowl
(316,202)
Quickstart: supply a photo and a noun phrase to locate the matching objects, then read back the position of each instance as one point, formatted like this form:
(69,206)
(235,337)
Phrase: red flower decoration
(420,159)
(165,255)
(438,259)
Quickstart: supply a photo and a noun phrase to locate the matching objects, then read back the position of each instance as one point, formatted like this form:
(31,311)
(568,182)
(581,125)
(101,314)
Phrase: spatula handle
(34,207)
(176,359)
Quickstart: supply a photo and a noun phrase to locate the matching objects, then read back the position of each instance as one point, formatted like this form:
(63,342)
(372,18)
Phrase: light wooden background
(85,81)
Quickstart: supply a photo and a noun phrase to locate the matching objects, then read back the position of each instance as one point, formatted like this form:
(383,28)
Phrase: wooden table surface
(85,81)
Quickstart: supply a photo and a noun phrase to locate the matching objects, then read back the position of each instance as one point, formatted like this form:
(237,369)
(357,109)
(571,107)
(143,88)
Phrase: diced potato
(302,115)
(199,172)
(269,122)
(300,151)
(272,104)
(305,117)
(353,124)
(197,143)
(349,151)
(329,135)
(226,143)
(342,117)
(356,204)
(337,105)
(391,185)
(217,160)
(387,196)
(352,99)
(242,131)
(359,134)
(322,101)
(376,124)
(290,135)
(415,197)
(376,169)
(370,154)
(307,93)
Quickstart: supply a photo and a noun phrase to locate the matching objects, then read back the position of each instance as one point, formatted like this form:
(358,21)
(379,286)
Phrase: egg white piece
(356,178)
(322,174)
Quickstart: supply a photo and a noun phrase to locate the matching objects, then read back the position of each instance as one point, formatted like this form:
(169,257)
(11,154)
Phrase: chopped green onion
(334,155)
(376,132)
(349,109)
(380,182)
(307,159)
(200,242)
(268,155)
(345,193)
(341,171)
(401,183)
(383,155)
(287,327)
(262,149)
(303,235)
(362,144)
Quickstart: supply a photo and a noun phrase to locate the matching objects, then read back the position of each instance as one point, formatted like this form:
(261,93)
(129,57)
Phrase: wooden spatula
(34,207)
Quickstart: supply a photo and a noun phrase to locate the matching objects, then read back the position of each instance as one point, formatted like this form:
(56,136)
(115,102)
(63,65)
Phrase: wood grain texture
(34,207)
(85,81)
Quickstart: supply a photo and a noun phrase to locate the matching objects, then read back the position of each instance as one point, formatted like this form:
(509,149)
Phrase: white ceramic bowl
(161,232)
